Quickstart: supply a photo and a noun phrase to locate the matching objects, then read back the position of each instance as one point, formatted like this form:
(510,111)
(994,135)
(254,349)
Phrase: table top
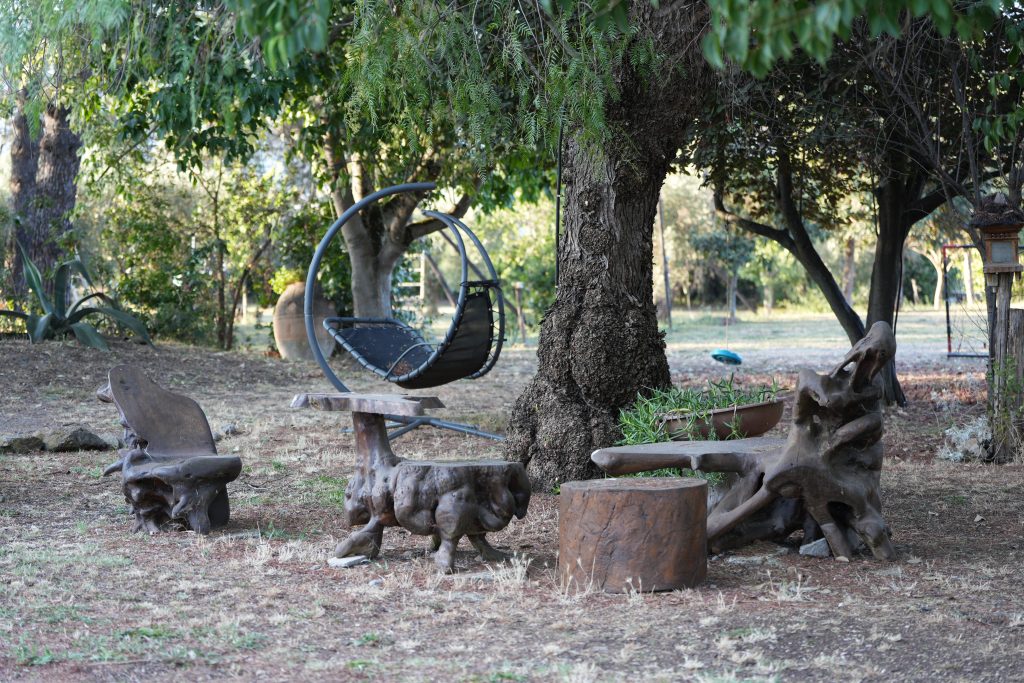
(382,404)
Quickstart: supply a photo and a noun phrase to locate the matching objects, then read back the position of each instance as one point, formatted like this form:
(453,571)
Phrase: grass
(328,490)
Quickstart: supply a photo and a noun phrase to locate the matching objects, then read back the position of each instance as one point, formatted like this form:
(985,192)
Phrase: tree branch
(417,230)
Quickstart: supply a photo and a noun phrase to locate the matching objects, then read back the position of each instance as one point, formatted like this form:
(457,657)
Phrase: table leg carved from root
(445,500)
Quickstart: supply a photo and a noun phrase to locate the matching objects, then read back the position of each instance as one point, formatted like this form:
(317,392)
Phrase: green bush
(156,270)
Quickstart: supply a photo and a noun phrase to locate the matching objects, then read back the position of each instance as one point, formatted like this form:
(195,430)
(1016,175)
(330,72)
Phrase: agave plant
(59,320)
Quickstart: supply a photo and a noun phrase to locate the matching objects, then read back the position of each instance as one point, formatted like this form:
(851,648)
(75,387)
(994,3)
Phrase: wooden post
(618,535)
(1006,371)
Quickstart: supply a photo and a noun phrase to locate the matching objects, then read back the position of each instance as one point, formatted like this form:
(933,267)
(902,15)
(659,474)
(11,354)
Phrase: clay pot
(290,324)
(753,419)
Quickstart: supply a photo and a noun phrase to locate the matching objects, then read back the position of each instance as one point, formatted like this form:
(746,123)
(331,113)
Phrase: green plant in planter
(58,319)
(642,422)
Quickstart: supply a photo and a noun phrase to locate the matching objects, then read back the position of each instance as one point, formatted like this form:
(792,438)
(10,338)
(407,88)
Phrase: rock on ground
(817,548)
(69,439)
(20,444)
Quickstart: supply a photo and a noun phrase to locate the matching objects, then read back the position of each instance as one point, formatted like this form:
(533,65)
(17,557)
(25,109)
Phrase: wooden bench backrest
(168,422)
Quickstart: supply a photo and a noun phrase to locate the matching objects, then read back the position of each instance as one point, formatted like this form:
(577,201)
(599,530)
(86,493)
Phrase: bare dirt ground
(81,598)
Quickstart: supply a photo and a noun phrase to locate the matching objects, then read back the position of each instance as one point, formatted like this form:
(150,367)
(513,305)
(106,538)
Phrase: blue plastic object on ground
(727,357)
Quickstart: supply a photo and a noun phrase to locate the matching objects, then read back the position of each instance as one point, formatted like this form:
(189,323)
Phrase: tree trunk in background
(599,342)
(43,202)
(940,281)
(24,164)
(769,295)
(849,269)
(893,197)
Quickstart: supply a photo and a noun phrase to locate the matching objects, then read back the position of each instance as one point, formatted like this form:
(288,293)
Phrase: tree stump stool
(445,500)
(633,534)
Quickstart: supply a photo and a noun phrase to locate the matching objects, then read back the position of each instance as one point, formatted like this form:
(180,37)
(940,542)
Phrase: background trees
(44,71)
(347,97)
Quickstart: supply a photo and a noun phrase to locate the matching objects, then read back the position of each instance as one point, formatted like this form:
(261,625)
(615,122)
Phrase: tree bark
(894,196)
(43,175)
(24,164)
(599,342)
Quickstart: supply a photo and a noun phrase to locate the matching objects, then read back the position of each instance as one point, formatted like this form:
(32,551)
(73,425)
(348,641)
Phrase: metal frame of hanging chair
(398,353)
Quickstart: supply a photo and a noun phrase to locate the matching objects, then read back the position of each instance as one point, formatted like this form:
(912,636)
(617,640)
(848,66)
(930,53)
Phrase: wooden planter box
(753,419)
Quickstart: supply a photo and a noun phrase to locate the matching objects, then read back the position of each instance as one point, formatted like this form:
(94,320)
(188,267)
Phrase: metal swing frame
(398,353)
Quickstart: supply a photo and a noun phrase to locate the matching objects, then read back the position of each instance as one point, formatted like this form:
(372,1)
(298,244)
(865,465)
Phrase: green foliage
(147,230)
(58,320)
(284,277)
(521,243)
(295,239)
(757,33)
(285,29)
(727,246)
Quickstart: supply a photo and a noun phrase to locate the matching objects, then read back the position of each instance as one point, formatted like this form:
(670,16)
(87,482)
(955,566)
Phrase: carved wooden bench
(170,470)
(825,478)
(445,500)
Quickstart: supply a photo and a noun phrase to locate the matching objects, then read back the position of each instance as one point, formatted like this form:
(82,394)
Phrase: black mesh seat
(398,353)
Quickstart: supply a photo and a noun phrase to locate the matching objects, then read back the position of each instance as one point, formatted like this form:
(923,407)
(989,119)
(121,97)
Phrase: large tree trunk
(24,165)
(599,342)
(43,200)
(893,197)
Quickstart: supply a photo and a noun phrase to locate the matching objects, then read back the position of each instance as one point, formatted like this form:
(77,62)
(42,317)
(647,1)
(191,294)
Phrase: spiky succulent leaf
(43,327)
(88,335)
(126,319)
(61,283)
(34,280)
(95,295)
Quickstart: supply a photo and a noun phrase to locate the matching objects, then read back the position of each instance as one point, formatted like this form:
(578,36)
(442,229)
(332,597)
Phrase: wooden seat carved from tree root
(825,477)
(170,469)
(445,500)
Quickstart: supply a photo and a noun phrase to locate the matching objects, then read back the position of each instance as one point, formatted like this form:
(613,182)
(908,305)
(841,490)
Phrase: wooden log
(619,460)
(646,535)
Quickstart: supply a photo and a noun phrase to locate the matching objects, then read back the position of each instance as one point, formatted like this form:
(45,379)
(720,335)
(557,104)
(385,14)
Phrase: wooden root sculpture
(824,478)
(445,500)
(170,469)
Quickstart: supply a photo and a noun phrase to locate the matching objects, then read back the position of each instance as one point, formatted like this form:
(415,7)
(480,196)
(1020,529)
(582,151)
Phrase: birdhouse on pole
(999,225)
